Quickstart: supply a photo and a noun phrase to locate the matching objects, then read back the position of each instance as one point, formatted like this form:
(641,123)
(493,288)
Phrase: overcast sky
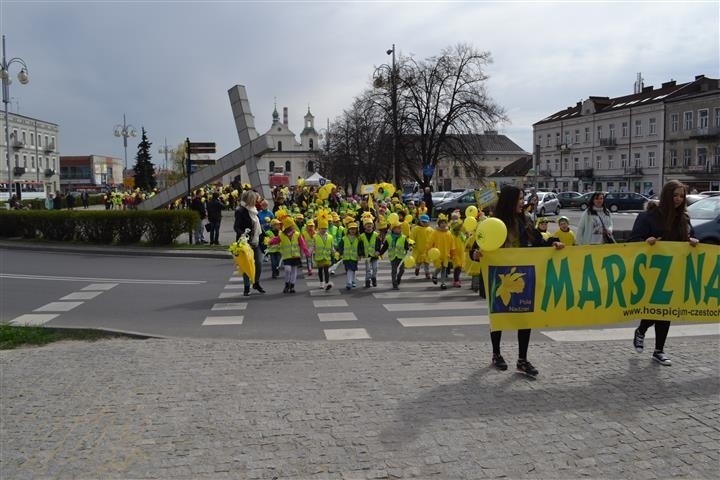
(168,65)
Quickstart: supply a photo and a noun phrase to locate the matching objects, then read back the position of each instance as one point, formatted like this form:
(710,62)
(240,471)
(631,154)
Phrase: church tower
(309,136)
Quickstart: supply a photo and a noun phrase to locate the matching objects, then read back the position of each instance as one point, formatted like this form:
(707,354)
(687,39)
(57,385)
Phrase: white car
(547,203)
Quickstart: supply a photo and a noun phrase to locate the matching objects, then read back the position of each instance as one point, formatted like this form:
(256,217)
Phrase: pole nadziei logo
(512,289)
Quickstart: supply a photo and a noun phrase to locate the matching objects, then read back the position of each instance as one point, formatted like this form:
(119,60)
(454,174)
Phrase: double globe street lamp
(6,81)
(380,82)
(125,131)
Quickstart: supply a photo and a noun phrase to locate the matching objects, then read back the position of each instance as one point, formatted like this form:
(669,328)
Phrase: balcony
(49,147)
(584,173)
(610,142)
(16,144)
(49,172)
(563,147)
(545,173)
(705,133)
(19,171)
(633,171)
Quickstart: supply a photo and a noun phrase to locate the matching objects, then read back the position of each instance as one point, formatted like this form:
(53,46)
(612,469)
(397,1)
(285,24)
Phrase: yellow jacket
(443,241)
(420,236)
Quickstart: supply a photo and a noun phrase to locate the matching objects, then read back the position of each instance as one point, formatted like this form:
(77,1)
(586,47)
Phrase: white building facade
(613,144)
(34,155)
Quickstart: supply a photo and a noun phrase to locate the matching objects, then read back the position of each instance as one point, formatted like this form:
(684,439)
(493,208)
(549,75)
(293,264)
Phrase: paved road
(191,409)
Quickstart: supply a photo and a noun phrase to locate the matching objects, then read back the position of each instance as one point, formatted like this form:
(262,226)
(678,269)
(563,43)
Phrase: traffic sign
(201,147)
(322,181)
(428,170)
(202,161)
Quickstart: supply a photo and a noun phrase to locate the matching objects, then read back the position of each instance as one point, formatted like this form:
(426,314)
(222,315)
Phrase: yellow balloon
(393,218)
(491,234)
(471,211)
(433,254)
(408,218)
(470,224)
(409,261)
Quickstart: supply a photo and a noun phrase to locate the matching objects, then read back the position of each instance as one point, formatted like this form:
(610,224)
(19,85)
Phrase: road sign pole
(189,193)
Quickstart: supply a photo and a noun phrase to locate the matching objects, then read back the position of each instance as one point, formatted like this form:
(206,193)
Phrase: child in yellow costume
(323,247)
(308,232)
(351,250)
(458,257)
(273,251)
(564,234)
(292,246)
(397,247)
(419,234)
(442,239)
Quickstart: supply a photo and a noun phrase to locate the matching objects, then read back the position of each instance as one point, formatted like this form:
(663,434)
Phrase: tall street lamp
(166,151)
(23,78)
(393,74)
(125,131)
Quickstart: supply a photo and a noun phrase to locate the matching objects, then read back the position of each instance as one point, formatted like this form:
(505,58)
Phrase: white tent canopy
(315,179)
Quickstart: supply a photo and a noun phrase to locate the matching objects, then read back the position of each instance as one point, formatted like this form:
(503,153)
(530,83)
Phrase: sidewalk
(187,409)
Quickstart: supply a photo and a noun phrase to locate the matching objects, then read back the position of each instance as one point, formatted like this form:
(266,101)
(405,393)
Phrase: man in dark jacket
(197,204)
(427,198)
(214,215)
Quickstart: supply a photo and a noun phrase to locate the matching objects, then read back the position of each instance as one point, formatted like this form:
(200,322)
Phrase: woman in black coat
(667,221)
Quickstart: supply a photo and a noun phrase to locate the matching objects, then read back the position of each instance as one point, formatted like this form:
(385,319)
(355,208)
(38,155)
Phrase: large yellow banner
(601,284)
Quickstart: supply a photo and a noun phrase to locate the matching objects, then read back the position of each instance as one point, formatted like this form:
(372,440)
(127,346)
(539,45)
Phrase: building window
(557,164)
(17,160)
(456,172)
(673,158)
(638,128)
(624,129)
(23,137)
(687,157)
(611,162)
(716,160)
(597,162)
(548,140)
(576,163)
(310,143)
(53,163)
(287,166)
(587,134)
(24,161)
(577,136)
(702,118)
(46,141)
(599,132)
(557,138)
(311,166)
(279,149)
(271,167)
(39,141)
(688,120)
(674,122)
(636,157)
(652,127)
(567,138)
(651,159)
(611,130)
(717,117)
(32,139)
(623,160)
(586,162)
(32,161)
(565,164)
(440,172)
(701,156)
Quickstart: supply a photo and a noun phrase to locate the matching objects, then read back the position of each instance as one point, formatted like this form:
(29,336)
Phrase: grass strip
(15,336)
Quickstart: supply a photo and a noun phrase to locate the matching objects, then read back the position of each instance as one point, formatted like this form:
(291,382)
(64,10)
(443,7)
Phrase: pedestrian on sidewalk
(668,221)
(246,220)
(521,232)
(214,215)
(198,206)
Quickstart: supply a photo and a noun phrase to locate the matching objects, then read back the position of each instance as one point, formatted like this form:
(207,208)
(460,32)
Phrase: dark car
(705,219)
(460,202)
(570,199)
(585,200)
(694,197)
(615,201)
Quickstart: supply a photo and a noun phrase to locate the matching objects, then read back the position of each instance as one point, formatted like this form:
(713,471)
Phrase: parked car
(615,201)
(443,195)
(461,201)
(547,202)
(694,197)
(570,199)
(705,219)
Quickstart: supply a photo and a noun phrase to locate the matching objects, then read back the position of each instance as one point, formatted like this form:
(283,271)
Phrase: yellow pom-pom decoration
(433,254)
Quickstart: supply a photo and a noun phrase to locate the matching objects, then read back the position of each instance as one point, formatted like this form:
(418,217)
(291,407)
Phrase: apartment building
(623,143)
(33,155)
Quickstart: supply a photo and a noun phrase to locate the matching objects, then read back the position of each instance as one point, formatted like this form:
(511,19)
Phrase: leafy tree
(144,168)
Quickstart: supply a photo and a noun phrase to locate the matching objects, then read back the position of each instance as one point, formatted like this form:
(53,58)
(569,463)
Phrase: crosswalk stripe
(236,279)
(329,303)
(627,333)
(234,286)
(216,321)
(100,286)
(425,294)
(230,295)
(346,334)
(58,307)
(30,319)
(81,296)
(324,293)
(414,307)
(444,321)
(230,306)
(337,317)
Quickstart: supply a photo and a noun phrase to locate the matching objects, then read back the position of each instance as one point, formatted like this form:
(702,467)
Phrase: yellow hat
(335,217)
(288,223)
(322,223)
(382,225)
(309,223)
(352,225)
(368,221)
(275,221)
(299,216)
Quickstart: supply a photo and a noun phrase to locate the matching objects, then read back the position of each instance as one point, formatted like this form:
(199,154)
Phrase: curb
(134,251)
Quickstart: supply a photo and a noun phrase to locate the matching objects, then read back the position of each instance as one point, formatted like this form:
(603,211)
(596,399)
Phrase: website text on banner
(601,284)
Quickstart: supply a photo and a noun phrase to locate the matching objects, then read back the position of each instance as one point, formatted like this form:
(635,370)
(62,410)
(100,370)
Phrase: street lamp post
(125,131)
(166,150)
(379,82)
(23,78)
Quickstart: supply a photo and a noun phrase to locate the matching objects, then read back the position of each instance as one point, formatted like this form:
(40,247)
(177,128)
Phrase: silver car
(547,203)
